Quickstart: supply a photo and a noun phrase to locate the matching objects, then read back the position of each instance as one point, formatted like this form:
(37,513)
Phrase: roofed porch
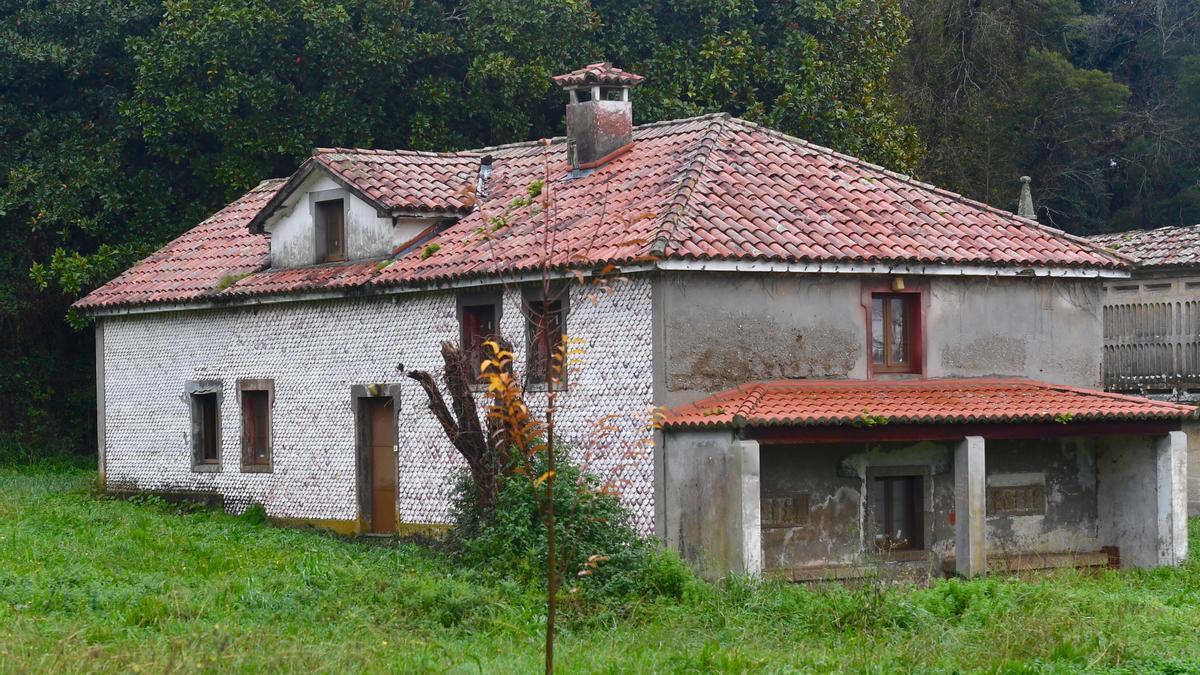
(875,486)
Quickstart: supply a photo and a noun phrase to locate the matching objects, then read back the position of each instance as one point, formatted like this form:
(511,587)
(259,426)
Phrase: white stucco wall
(315,352)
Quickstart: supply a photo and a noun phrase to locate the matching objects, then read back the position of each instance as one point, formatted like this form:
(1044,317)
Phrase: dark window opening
(256,427)
(897,511)
(583,95)
(478,326)
(331,231)
(545,320)
(207,442)
(893,332)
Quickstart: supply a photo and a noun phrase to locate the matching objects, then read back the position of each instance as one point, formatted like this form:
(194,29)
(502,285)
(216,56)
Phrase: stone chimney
(1025,206)
(599,114)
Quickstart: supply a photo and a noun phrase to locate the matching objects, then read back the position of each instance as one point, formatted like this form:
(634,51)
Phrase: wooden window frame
(321,227)
(922,513)
(916,296)
(194,390)
(249,464)
(530,298)
(478,299)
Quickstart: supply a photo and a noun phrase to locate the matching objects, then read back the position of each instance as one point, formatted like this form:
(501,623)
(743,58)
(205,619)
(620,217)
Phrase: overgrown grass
(99,585)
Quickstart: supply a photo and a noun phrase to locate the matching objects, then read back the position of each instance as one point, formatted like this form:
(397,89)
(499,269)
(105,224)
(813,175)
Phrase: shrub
(599,553)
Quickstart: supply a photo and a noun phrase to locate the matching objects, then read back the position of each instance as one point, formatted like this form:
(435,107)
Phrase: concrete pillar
(970,507)
(751,507)
(1171,488)
(711,501)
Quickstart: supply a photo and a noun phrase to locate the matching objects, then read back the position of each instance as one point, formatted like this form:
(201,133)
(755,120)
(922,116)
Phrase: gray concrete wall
(1126,490)
(832,481)
(711,501)
(1040,496)
(1046,329)
(722,329)
(1063,471)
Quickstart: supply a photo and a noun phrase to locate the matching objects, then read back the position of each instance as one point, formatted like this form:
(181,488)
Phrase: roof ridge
(691,175)
(554,139)
(905,178)
(451,154)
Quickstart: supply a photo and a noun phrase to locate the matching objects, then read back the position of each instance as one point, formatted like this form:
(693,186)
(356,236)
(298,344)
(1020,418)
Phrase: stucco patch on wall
(986,354)
(757,347)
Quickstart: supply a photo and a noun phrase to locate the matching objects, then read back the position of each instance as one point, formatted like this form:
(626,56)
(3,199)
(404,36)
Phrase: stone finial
(1025,206)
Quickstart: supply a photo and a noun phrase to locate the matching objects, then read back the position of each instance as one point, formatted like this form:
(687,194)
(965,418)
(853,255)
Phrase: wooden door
(381,441)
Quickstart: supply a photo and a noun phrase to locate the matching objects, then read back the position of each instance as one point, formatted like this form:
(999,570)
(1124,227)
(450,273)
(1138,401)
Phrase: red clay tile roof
(706,188)
(850,402)
(1161,247)
(195,265)
(603,73)
(401,180)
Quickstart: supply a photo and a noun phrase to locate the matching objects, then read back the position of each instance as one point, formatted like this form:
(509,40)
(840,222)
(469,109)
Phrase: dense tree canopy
(124,122)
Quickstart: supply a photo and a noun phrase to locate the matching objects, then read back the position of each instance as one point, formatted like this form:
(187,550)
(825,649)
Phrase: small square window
(545,320)
(257,399)
(331,231)
(894,333)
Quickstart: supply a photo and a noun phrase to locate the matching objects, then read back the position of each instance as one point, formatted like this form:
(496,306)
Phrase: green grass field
(99,585)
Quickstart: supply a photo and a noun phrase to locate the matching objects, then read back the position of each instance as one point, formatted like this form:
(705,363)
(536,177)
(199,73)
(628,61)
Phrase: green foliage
(1096,101)
(128,122)
(430,250)
(599,553)
(107,586)
(229,280)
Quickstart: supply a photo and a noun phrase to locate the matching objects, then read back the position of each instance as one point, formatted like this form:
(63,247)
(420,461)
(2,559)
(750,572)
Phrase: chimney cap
(603,74)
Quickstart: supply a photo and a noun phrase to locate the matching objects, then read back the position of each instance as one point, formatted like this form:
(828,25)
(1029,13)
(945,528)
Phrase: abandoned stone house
(846,363)
(1152,326)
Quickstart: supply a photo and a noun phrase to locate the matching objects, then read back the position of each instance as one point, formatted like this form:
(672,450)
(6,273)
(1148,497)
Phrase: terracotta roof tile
(705,188)
(194,266)
(403,180)
(1161,247)
(602,73)
(848,402)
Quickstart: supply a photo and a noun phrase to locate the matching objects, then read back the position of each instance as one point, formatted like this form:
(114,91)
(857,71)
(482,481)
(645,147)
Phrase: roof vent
(1025,205)
(599,114)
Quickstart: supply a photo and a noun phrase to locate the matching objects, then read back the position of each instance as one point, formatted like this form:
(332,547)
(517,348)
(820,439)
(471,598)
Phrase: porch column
(1171,478)
(751,507)
(970,508)
(711,501)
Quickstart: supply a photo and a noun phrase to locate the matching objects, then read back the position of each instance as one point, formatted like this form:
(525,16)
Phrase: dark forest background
(123,124)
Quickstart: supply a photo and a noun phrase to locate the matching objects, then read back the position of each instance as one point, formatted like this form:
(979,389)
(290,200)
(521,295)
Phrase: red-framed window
(478,326)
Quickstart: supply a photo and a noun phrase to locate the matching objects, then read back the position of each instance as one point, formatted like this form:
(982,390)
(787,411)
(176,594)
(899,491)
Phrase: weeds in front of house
(103,585)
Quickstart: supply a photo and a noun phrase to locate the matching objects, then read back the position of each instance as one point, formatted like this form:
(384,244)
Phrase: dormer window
(331,231)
